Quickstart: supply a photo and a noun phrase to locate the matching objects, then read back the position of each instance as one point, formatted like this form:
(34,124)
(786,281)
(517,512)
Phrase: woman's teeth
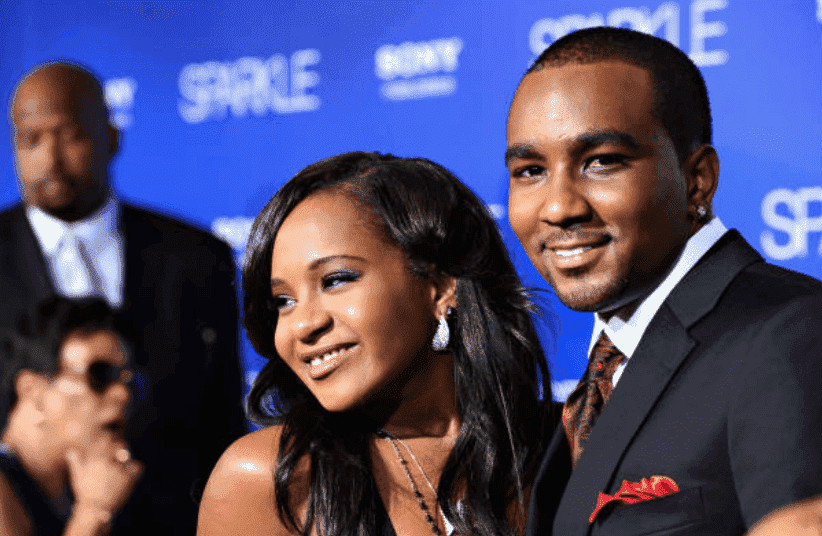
(325,357)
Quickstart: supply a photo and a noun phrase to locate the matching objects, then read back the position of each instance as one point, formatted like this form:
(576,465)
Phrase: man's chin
(60,211)
(55,204)
(591,298)
(66,209)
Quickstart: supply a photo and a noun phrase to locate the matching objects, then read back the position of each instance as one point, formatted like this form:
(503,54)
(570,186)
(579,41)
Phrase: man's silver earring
(702,211)
(443,334)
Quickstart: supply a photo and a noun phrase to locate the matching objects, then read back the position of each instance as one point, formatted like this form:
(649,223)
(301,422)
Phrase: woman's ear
(446,294)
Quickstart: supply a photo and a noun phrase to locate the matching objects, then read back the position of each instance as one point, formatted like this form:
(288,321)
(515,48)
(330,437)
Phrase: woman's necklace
(395,443)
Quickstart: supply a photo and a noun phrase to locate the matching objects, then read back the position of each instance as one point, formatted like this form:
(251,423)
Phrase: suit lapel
(660,353)
(28,263)
(138,308)
(132,248)
(658,356)
(553,474)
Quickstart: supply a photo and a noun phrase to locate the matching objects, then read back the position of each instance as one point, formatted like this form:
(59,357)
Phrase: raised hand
(103,477)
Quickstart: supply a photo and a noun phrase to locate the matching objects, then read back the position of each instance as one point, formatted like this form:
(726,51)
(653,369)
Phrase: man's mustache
(573,237)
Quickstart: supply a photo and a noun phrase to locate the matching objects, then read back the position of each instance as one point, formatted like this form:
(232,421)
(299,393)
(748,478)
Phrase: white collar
(626,335)
(93,231)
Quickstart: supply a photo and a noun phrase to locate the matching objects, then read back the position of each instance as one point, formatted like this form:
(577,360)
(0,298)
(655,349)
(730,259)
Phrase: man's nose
(565,202)
(50,153)
(118,392)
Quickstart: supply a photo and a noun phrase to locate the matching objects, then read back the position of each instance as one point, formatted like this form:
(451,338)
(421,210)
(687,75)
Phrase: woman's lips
(322,365)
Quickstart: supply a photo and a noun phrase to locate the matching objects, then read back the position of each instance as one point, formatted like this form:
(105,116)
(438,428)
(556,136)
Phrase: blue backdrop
(221,103)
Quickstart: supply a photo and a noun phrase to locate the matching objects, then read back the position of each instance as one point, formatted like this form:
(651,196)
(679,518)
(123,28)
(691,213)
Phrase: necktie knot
(75,272)
(594,389)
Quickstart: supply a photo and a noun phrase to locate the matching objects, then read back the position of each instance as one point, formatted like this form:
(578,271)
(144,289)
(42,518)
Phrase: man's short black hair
(35,342)
(680,95)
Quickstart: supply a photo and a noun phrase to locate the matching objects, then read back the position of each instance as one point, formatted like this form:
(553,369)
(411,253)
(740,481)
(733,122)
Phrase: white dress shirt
(99,235)
(626,335)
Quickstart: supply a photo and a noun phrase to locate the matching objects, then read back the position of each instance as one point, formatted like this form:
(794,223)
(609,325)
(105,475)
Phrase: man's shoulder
(153,225)
(10,216)
(735,271)
(768,283)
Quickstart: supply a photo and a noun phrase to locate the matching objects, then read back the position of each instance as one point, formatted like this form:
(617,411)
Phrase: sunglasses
(101,374)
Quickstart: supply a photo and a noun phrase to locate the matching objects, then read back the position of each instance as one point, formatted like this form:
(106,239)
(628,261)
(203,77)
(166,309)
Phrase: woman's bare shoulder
(239,497)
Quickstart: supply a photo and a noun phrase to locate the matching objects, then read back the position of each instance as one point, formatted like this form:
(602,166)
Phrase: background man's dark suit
(180,308)
(721,395)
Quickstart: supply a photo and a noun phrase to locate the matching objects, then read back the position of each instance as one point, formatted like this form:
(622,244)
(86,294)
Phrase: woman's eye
(281,302)
(336,279)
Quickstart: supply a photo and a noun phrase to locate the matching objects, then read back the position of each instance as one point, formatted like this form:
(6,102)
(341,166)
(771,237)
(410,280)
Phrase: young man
(698,413)
(64,466)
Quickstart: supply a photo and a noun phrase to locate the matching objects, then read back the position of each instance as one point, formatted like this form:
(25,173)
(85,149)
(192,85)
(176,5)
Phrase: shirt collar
(93,231)
(626,335)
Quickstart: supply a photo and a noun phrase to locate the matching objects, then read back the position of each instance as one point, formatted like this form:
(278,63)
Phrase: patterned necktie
(583,406)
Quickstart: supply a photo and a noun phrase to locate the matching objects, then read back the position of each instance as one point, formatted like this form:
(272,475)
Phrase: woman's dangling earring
(443,334)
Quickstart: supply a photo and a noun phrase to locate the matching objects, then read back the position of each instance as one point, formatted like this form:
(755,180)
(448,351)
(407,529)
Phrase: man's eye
(28,140)
(339,278)
(605,162)
(70,134)
(528,171)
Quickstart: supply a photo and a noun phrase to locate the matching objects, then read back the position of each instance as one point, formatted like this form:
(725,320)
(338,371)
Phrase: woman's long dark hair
(499,368)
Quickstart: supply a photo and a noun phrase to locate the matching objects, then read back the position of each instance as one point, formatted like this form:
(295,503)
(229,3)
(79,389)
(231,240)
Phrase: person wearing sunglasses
(64,465)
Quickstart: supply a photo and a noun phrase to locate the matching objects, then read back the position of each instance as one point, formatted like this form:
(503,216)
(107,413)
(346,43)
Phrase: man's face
(89,395)
(597,196)
(61,146)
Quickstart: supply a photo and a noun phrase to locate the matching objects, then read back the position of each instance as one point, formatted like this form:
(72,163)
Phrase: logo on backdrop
(819,10)
(665,18)
(119,94)
(213,90)
(418,70)
(235,232)
(794,219)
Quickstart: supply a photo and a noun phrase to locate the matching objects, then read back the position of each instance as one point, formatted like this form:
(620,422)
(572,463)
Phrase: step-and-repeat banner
(220,103)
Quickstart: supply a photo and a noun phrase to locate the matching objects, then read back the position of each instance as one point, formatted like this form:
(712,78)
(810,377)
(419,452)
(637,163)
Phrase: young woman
(404,376)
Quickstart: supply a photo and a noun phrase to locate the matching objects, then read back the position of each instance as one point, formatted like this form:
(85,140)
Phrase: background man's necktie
(583,406)
(75,271)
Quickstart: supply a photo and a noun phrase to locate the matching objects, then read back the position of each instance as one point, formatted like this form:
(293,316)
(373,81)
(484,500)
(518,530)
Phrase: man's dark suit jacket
(180,310)
(722,395)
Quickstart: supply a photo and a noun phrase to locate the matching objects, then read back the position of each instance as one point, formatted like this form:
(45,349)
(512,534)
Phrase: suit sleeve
(222,417)
(775,418)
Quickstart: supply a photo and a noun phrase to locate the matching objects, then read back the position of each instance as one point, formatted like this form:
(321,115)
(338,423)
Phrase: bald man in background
(172,285)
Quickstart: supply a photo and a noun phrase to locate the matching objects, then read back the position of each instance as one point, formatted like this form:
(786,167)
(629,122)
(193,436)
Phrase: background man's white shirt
(101,240)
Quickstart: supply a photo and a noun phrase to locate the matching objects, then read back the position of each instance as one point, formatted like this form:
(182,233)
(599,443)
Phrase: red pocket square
(634,492)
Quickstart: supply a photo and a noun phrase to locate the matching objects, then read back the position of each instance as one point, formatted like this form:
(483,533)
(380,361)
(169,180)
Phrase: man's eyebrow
(581,143)
(521,150)
(602,137)
(318,263)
